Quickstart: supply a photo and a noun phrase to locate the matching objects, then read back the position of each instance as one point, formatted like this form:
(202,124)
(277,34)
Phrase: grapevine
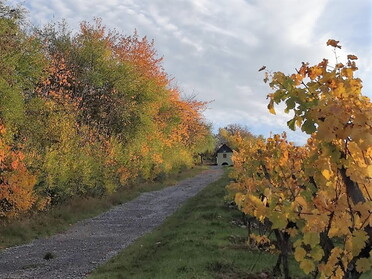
(319,194)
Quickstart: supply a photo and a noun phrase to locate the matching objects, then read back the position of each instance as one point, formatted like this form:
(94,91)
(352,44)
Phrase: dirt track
(91,242)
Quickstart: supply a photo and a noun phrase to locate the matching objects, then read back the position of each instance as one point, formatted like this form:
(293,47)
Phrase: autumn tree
(231,132)
(21,63)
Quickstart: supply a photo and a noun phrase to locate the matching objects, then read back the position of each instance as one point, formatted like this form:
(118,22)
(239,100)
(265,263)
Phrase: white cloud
(214,48)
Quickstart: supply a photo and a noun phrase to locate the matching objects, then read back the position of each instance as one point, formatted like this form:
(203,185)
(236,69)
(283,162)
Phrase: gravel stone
(91,242)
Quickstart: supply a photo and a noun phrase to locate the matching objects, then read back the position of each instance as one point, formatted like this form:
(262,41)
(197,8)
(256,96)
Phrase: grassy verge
(201,240)
(59,218)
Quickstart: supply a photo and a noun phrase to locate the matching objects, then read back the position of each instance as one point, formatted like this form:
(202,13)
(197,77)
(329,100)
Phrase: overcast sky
(214,48)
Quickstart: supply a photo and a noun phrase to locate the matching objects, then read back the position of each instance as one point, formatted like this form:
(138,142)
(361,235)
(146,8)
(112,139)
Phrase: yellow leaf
(314,72)
(334,231)
(358,242)
(347,72)
(307,266)
(299,254)
(301,201)
(326,174)
(311,239)
(317,253)
(297,78)
(369,171)
(255,200)
(363,264)
(357,154)
(270,106)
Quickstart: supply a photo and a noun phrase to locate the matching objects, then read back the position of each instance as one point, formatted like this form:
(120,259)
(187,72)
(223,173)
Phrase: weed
(48,256)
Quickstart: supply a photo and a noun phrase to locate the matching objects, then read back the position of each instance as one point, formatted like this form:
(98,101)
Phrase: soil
(89,243)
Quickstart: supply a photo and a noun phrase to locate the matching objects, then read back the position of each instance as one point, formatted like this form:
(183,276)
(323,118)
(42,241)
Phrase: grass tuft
(48,256)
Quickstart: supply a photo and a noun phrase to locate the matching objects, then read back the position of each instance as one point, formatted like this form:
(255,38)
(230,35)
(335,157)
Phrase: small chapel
(224,154)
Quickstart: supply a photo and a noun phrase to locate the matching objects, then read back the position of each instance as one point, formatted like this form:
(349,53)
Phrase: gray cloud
(214,48)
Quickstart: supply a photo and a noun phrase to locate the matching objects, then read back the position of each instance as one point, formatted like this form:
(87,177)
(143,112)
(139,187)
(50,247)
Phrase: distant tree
(228,135)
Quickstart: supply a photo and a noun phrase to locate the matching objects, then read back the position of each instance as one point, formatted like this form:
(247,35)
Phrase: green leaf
(278,220)
(308,127)
(292,124)
(290,103)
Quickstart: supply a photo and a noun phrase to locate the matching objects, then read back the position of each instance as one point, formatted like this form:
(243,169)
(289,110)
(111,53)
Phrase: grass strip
(61,217)
(201,240)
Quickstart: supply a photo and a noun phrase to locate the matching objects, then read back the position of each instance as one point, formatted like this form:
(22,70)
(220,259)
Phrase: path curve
(91,242)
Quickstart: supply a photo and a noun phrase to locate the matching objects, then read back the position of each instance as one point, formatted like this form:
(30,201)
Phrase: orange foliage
(59,83)
(142,54)
(16,183)
(191,127)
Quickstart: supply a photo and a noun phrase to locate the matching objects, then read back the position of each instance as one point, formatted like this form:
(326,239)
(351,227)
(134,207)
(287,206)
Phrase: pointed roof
(224,149)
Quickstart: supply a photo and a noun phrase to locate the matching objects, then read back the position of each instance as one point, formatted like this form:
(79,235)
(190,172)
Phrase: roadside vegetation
(84,114)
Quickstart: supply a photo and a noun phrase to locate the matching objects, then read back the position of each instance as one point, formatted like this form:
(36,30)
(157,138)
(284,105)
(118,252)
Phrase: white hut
(224,154)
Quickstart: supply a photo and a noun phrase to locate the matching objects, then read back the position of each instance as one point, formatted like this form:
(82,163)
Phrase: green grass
(201,240)
(59,218)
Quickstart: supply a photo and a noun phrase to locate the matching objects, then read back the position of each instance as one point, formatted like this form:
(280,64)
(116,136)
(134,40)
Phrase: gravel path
(93,241)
